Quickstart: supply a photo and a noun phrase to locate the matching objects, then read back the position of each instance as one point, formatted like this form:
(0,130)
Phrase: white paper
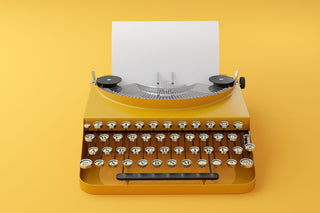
(189,49)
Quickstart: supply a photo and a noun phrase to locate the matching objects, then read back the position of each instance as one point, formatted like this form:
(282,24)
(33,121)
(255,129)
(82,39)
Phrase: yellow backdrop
(48,48)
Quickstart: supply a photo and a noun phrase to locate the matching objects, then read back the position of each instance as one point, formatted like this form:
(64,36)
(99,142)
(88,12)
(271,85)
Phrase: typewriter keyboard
(150,154)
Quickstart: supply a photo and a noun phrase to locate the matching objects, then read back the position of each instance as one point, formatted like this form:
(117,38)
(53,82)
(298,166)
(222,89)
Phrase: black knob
(222,81)
(108,81)
(242,82)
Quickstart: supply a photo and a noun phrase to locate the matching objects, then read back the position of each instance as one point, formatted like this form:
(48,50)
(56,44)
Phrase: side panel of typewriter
(102,165)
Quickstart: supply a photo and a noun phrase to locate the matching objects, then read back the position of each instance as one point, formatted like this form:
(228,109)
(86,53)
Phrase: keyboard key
(89,137)
(208,150)
(107,150)
(216,162)
(136,150)
(149,150)
(157,163)
(224,124)
(164,150)
(111,124)
(92,150)
(113,163)
(210,124)
(85,163)
(142,163)
(186,163)
(99,162)
(171,163)
(127,163)
(97,125)
(218,137)
(178,150)
(194,150)
(223,150)
(202,162)
(246,162)
(238,150)
(231,162)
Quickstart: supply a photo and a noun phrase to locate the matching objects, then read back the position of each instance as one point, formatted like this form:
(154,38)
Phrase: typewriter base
(242,184)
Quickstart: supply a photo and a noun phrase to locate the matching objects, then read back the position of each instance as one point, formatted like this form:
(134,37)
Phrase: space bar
(167,176)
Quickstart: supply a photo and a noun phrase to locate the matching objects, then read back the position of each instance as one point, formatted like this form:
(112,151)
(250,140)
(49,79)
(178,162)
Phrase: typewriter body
(172,140)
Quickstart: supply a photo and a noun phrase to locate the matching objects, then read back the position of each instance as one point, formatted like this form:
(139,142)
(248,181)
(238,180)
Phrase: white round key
(186,163)
(237,125)
(249,147)
(232,137)
(210,124)
(142,163)
(178,150)
(92,150)
(132,137)
(89,137)
(86,125)
(85,163)
(104,137)
(97,124)
(111,124)
(153,124)
(113,163)
(127,163)
(136,150)
(167,124)
(99,162)
(171,163)
(160,137)
(195,124)
(224,124)
(164,150)
(218,137)
(107,150)
(121,150)
(146,137)
(150,150)
(117,137)
(157,163)
(237,149)
(202,162)
(216,162)
(189,137)
(194,150)
(223,150)
(182,124)
(208,150)
(174,137)
(246,163)
(203,137)
(139,124)
(231,162)
(126,124)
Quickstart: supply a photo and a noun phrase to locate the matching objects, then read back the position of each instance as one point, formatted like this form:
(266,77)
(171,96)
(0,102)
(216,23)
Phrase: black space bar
(167,176)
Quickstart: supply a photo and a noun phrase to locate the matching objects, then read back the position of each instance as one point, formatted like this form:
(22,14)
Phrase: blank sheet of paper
(189,49)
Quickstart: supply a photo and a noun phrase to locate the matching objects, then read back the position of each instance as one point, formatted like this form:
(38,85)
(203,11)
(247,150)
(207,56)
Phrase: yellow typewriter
(167,140)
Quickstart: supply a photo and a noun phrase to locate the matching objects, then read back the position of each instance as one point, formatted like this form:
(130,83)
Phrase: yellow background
(48,49)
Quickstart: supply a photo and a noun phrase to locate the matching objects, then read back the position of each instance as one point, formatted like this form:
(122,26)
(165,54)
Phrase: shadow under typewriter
(140,140)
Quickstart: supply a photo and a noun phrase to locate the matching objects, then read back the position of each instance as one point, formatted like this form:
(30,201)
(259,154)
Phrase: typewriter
(169,139)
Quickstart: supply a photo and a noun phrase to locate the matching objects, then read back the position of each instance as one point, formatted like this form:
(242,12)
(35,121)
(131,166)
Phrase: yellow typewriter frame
(104,106)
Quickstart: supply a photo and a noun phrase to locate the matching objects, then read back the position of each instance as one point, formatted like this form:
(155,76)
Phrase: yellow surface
(47,49)
(232,108)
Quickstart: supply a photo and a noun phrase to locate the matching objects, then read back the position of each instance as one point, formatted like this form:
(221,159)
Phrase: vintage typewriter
(162,140)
